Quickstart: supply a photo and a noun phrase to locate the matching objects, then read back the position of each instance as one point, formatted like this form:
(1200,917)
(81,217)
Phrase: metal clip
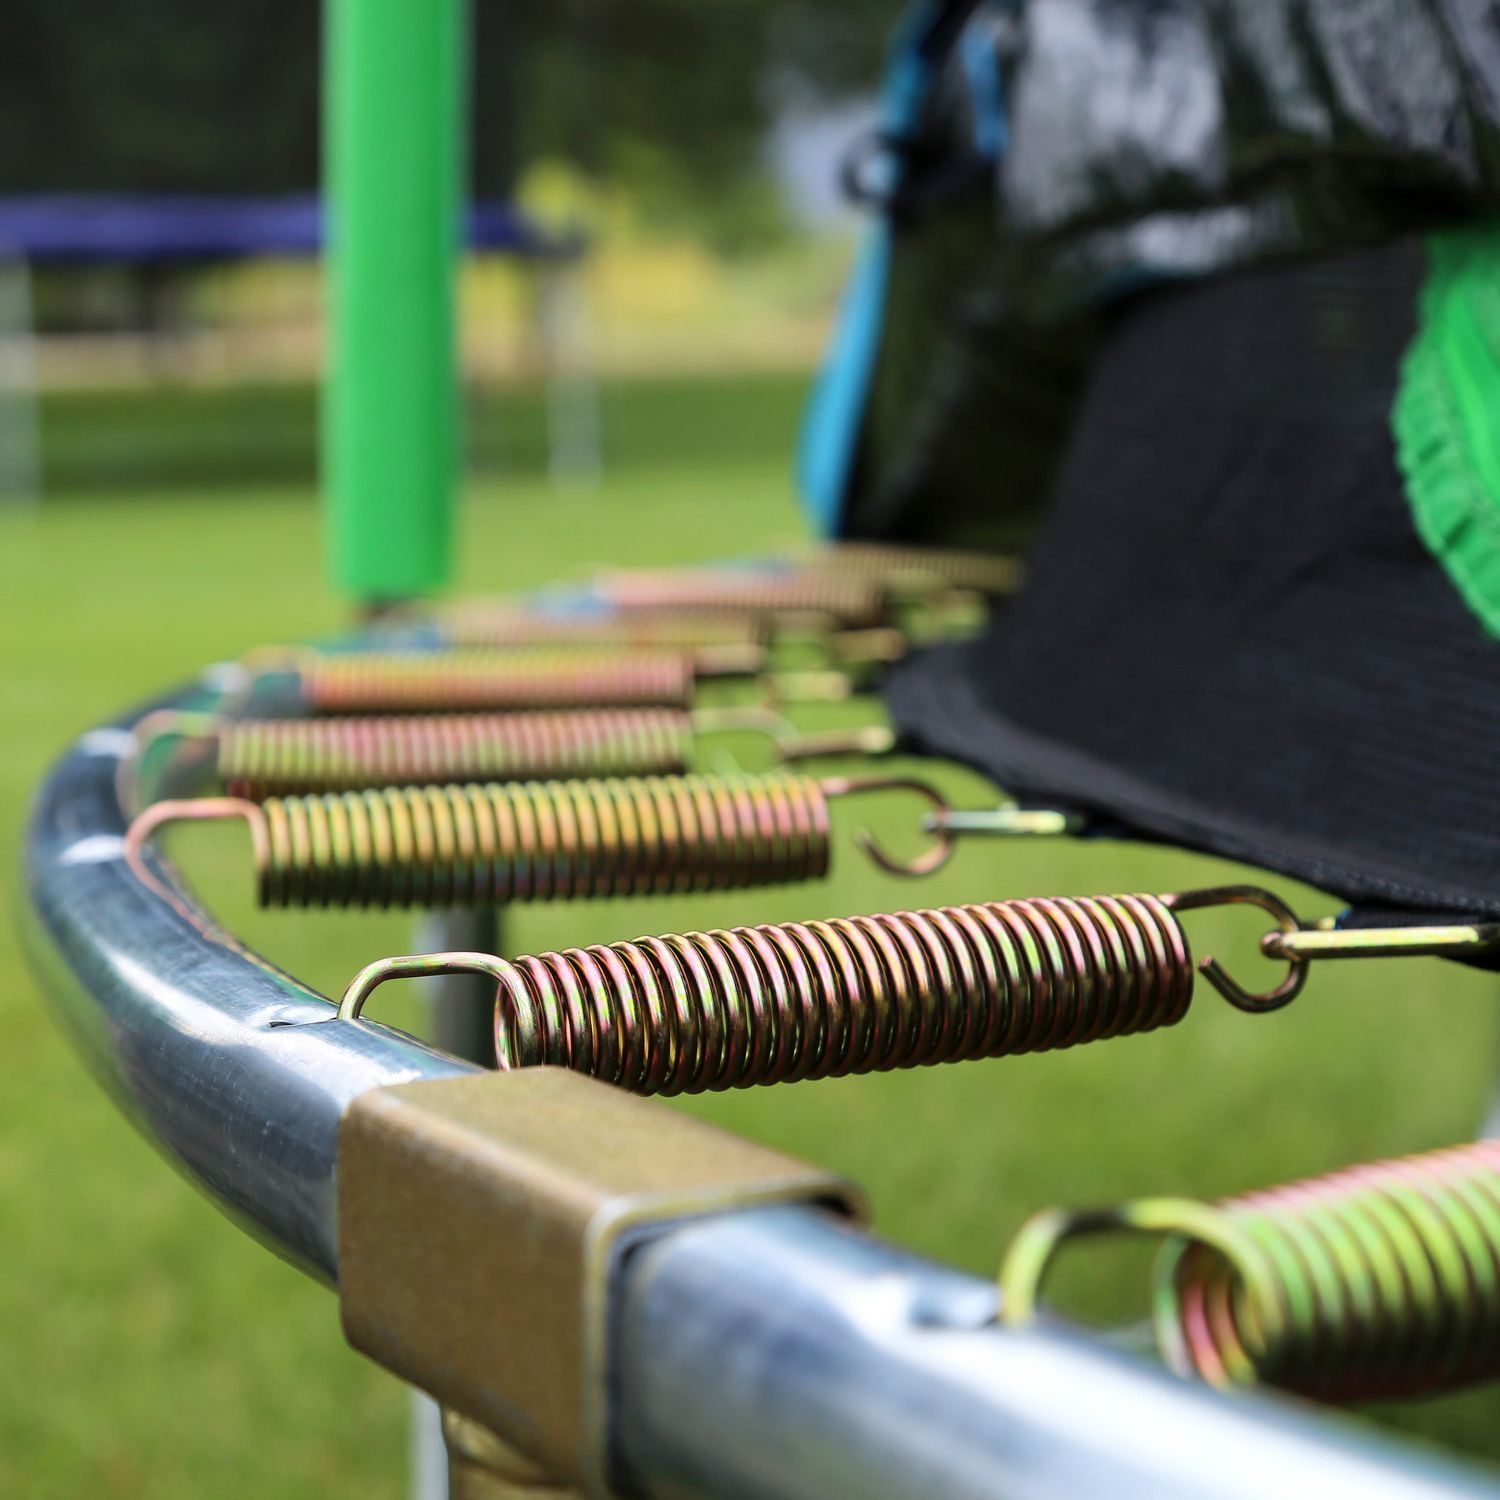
(1006,821)
(481,1220)
(1457,940)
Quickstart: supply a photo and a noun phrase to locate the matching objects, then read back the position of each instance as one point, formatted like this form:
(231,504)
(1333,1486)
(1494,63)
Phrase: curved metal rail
(770,1354)
(209,1049)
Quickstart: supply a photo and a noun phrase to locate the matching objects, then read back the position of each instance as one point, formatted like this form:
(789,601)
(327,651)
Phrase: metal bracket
(483,1467)
(481,1219)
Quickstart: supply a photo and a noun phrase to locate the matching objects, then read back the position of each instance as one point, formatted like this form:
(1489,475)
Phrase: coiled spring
(722,643)
(899,568)
(538,841)
(278,757)
(259,758)
(769,591)
(502,624)
(1377,1281)
(770,1004)
(395,682)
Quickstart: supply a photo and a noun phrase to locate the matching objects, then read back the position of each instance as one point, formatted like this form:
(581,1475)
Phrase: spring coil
(720,1010)
(541,841)
(890,566)
(1376,1281)
(760,591)
(479,624)
(279,757)
(474,681)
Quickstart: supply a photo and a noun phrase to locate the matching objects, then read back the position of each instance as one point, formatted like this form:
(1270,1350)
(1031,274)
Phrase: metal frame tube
(783,1356)
(206,1047)
(761,1354)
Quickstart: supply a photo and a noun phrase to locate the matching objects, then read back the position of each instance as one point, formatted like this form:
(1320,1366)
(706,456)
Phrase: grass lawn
(153,1350)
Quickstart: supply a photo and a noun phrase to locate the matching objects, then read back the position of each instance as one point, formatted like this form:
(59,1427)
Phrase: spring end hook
(1215,973)
(927,863)
(1034,1250)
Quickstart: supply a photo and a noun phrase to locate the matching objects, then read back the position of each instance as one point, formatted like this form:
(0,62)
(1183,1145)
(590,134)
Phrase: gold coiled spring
(280,757)
(921,569)
(500,624)
(440,846)
(259,758)
(763,591)
(1378,1281)
(771,1004)
(475,681)
(725,643)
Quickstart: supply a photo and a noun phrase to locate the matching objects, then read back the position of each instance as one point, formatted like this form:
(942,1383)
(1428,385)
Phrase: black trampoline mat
(1231,636)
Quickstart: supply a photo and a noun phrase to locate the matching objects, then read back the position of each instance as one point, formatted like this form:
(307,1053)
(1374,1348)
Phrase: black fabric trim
(1232,637)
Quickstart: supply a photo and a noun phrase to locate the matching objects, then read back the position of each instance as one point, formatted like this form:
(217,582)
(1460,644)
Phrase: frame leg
(462,1022)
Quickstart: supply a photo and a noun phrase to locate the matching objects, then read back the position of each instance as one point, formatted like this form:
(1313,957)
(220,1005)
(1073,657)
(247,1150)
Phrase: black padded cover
(1231,636)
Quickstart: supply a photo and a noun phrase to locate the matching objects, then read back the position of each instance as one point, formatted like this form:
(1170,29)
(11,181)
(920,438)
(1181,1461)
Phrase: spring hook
(1375,1281)
(876,741)
(1213,971)
(537,841)
(937,855)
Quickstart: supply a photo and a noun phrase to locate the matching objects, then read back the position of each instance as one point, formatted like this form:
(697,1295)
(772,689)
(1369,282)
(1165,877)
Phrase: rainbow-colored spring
(441,846)
(260,758)
(502,623)
(1380,1280)
(777,592)
(477,681)
(898,569)
(719,1010)
(776,1003)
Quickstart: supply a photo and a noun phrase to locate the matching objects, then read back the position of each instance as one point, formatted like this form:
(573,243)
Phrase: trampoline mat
(1231,636)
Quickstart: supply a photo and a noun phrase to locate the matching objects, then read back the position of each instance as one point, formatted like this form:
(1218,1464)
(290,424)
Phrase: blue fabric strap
(831,428)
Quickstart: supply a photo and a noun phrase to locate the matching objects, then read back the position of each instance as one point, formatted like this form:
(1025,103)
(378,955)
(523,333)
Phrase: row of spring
(1376,1281)
(469,776)
(649,638)
(1379,1280)
(851,587)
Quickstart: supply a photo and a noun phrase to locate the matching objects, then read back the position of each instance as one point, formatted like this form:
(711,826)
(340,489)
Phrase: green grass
(152,1349)
(181,440)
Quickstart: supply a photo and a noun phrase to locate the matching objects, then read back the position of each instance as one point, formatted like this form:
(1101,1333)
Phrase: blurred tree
(690,80)
(187,96)
(156,96)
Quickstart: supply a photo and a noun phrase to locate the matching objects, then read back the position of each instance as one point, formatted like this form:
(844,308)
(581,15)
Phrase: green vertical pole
(394,85)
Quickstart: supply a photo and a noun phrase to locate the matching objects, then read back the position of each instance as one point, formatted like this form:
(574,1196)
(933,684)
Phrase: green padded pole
(394,86)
